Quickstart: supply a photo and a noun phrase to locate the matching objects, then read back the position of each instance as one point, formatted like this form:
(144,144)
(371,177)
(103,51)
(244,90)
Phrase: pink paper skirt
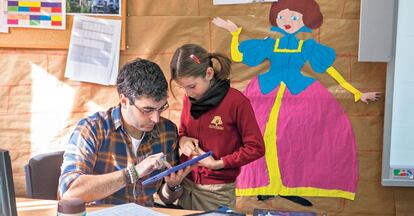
(315,144)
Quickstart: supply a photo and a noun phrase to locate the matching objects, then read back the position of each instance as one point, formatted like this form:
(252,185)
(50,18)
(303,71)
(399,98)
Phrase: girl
(310,145)
(215,117)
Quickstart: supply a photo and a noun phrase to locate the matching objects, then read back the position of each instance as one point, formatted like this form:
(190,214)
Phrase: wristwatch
(175,188)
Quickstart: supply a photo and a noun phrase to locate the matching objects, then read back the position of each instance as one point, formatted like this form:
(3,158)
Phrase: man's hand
(176,178)
(171,181)
(150,164)
(188,146)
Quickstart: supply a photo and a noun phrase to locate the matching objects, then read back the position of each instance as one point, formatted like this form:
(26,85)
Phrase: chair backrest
(42,175)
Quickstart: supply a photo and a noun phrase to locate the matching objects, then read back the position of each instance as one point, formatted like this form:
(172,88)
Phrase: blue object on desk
(224,209)
(176,168)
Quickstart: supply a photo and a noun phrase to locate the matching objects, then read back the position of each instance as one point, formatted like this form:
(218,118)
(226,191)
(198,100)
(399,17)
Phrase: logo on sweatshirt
(216,123)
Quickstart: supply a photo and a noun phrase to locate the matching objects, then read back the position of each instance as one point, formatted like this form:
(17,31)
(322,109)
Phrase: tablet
(176,168)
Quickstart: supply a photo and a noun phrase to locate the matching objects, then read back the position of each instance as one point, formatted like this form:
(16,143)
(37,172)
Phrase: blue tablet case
(176,168)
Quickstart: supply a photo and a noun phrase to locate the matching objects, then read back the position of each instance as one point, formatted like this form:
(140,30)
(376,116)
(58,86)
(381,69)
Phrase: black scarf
(211,98)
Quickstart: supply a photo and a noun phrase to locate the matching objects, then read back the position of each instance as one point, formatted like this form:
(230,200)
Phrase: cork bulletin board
(52,39)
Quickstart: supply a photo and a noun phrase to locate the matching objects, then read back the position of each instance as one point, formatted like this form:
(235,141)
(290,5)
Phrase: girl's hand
(370,96)
(228,25)
(210,162)
(188,146)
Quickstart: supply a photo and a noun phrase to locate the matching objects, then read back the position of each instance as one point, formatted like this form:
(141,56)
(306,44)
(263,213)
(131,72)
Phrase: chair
(42,175)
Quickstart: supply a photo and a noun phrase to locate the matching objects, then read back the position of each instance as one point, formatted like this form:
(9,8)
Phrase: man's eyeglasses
(150,111)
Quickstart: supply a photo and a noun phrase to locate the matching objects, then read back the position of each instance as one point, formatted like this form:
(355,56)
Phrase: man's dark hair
(142,78)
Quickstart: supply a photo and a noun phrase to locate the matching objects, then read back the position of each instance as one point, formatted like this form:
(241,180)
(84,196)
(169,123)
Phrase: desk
(33,207)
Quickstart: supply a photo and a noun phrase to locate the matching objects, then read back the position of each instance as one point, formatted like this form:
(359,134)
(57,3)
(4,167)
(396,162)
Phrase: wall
(39,107)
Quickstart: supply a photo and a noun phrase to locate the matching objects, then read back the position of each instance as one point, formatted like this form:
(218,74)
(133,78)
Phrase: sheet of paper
(224,2)
(94,50)
(130,209)
(50,14)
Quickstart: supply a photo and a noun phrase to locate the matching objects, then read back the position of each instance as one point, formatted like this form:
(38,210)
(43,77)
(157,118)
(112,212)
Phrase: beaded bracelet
(132,178)
(132,175)
(127,176)
(136,172)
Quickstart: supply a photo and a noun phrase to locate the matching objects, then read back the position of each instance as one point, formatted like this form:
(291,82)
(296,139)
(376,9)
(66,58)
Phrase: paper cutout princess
(310,145)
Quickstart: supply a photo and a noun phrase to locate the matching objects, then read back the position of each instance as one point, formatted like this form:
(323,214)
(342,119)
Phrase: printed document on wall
(94,50)
(3,23)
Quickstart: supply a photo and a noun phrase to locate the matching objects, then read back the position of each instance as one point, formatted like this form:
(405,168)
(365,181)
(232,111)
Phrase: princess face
(289,20)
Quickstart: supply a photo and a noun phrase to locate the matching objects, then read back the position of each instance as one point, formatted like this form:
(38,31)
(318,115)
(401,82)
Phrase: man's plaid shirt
(101,145)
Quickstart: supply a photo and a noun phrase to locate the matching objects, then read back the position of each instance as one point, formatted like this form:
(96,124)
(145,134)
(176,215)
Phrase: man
(111,152)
